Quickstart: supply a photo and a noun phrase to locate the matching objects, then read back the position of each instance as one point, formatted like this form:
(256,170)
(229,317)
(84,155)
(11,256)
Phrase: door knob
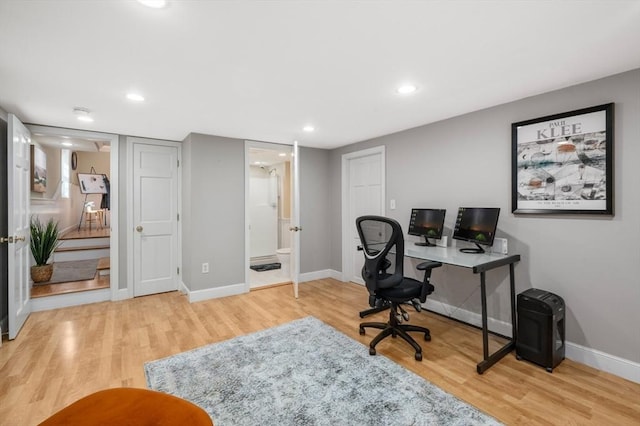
(6,239)
(139,228)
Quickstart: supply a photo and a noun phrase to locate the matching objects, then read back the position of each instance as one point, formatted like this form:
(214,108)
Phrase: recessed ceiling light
(405,89)
(66,144)
(83,114)
(308,128)
(156,4)
(136,97)
(282,154)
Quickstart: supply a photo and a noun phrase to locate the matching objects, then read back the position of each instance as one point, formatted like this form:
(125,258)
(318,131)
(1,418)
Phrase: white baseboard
(496,326)
(216,292)
(593,358)
(121,294)
(319,275)
(603,361)
(71,299)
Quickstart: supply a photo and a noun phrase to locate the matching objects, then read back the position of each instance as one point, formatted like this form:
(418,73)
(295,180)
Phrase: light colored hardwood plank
(65,354)
(43,290)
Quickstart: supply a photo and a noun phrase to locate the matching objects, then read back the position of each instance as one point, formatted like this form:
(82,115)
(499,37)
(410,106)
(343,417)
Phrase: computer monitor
(476,225)
(428,223)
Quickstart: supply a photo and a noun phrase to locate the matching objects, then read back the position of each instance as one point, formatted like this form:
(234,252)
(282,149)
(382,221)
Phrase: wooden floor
(65,354)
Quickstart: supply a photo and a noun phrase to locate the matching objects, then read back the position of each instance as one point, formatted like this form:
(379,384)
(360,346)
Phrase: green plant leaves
(44,240)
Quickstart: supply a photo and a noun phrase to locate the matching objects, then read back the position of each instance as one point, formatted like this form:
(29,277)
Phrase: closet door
(155,218)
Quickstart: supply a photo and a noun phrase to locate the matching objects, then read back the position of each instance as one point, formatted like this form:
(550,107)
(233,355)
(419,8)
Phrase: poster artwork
(561,163)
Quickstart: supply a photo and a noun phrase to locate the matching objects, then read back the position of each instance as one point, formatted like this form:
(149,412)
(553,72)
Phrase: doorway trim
(248,145)
(346,185)
(114,142)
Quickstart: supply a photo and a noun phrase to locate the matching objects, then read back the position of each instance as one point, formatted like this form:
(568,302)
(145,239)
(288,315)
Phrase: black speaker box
(541,328)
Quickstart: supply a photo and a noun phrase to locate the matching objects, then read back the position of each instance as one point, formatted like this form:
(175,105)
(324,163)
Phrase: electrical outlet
(205,268)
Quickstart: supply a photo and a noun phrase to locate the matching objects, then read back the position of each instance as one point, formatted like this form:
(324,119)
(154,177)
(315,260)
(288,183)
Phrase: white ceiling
(261,70)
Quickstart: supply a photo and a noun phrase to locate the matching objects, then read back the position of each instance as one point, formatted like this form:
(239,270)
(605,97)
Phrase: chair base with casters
(395,328)
(392,299)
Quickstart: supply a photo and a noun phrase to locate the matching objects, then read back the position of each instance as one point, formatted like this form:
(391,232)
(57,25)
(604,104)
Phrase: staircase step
(81,253)
(80,248)
(104,266)
(104,263)
(86,242)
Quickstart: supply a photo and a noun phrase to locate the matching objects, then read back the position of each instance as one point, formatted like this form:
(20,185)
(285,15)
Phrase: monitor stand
(426,243)
(473,250)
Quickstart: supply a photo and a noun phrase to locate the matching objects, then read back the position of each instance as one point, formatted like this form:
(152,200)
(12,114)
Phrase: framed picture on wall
(563,163)
(92,183)
(38,169)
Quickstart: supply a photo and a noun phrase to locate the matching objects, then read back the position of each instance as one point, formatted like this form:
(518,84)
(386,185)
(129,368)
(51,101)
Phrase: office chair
(379,235)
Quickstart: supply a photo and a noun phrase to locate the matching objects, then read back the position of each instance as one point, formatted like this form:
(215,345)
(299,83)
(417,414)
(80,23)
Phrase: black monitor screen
(477,225)
(427,222)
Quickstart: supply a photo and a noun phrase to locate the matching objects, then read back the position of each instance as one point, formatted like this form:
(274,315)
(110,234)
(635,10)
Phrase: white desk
(479,264)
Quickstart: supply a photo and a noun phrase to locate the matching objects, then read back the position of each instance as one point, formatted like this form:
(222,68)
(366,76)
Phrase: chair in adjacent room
(379,235)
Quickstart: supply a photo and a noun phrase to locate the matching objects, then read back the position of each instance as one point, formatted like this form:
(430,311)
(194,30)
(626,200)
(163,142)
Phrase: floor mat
(265,267)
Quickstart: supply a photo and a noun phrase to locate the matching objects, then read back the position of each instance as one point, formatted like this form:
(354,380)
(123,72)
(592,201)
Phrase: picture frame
(38,169)
(563,163)
(91,183)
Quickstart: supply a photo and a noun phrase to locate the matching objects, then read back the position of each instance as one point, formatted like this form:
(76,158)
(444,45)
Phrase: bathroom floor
(264,278)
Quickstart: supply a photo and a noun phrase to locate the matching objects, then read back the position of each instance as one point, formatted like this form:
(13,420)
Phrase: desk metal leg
(512,283)
(485,325)
(489,360)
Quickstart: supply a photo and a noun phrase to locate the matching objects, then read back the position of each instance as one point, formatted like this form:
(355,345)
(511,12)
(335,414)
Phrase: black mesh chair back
(379,235)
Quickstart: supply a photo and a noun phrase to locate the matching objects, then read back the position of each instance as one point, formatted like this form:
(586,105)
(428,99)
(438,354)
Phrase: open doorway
(86,260)
(268,209)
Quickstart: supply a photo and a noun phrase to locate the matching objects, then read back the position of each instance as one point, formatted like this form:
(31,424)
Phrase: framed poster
(38,169)
(563,163)
(92,183)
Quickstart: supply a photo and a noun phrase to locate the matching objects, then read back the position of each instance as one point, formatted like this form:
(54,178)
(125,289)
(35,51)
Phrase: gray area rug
(74,270)
(305,373)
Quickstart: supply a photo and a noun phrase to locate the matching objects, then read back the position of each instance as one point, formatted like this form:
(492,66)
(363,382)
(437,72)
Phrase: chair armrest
(427,287)
(429,264)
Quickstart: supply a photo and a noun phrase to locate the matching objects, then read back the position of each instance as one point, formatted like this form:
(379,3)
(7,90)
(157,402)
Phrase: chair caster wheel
(361,331)
(518,357)
(418,356)
(427,337)
(372,351)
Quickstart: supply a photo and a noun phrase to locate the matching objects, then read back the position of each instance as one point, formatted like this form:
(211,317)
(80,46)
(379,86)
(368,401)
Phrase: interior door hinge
(178,217)
(178,163)
(178,271)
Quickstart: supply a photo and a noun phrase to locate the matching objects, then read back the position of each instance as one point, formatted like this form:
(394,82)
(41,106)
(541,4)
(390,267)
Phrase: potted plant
(44,240)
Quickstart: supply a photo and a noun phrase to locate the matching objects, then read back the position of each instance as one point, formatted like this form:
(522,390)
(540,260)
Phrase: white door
(363,194)
(155,218)
(295,227)
(18,188)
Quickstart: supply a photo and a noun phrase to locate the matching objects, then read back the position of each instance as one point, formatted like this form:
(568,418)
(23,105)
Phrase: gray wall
(213,210)
(124,183)
(592,262)
(315,205)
